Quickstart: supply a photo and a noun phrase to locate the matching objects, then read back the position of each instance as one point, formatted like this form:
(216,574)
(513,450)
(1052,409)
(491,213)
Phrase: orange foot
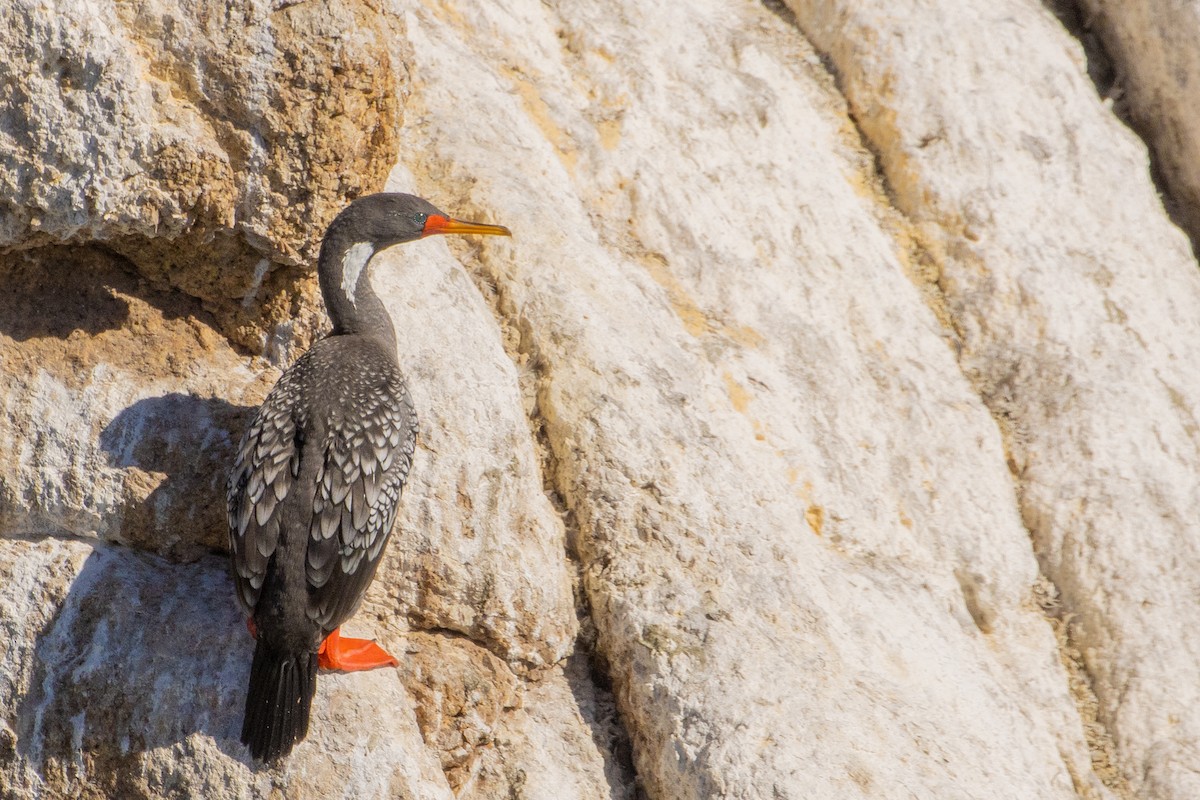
(352,655)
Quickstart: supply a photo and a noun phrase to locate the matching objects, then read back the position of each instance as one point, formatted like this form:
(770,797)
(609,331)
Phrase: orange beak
(435,224)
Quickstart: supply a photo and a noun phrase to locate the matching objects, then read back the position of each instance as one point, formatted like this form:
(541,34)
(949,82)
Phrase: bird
(316,481)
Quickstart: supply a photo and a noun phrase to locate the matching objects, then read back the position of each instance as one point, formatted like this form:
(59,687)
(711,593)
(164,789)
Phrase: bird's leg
(250,626)
(352,655)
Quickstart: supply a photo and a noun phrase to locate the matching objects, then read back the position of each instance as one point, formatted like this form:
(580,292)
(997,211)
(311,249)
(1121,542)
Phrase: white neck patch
(353,262)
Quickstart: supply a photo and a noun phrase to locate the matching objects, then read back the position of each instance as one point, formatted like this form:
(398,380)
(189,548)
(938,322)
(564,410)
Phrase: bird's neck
(344,270)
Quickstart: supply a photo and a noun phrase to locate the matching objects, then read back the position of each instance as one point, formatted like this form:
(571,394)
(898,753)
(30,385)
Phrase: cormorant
(314,489)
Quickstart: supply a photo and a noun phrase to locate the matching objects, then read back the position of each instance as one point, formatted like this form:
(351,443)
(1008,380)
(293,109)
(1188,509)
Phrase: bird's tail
(278,701)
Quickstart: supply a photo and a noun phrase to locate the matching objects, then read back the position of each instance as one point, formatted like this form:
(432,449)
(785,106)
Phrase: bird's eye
(420,218)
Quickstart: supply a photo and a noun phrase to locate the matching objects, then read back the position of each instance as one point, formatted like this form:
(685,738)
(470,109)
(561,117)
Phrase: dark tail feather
(278,701)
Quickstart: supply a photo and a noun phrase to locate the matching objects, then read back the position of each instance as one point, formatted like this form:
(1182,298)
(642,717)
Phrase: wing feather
(366,462)
(363,458)
(263,474)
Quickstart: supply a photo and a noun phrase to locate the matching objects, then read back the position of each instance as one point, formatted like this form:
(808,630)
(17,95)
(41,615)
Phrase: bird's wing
(365,463)
(265,470)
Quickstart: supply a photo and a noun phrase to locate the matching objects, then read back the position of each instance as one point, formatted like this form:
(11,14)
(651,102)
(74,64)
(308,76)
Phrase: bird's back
(314,492)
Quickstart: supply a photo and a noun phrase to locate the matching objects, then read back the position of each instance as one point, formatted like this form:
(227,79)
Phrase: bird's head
(386,219)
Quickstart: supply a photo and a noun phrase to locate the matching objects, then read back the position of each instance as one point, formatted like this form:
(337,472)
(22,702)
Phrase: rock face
(1078,328)
(825,430)
(201,141)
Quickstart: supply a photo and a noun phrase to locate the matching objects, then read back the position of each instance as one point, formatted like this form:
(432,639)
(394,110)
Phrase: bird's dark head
(386,219)
(365,227)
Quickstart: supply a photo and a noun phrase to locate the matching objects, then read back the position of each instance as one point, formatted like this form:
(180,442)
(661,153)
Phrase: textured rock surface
(203,141)
(484,550)
(695,449)
(1080,327)
(132,685)
(133,401)
(842,483)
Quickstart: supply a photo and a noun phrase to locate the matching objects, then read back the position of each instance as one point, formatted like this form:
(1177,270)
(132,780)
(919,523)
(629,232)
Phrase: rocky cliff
(828,428)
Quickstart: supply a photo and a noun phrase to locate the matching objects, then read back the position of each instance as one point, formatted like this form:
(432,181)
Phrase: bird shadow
(187,444)
(141,655)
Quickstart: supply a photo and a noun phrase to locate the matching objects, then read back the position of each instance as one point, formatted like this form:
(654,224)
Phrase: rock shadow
(186,444)
(55,291)
(588,678)
(142,655)
(52,292)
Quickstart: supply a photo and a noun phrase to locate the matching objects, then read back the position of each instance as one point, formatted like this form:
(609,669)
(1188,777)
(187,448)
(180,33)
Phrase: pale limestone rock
(483,549)
(713,347)
(753,417)
(460,692)
(120,407)
(564,743)
(1078,305)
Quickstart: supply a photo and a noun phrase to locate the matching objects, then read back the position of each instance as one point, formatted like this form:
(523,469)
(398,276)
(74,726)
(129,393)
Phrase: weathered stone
(564,743)
(133,687)
(715,381)
(483,550)
(1078,308)
(120,406)
(461,692)
(206,142)
(752,473)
